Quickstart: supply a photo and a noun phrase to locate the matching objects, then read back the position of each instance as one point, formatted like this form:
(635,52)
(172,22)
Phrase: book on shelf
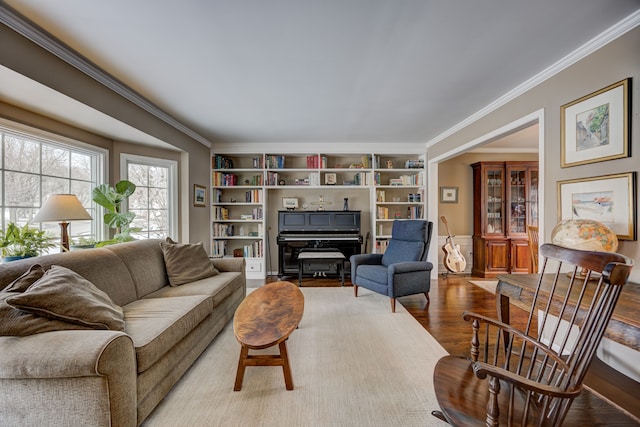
(381,246)
(253,196)
(380,196)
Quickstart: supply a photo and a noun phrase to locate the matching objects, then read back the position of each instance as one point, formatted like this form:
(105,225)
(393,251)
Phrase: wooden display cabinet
(505,201)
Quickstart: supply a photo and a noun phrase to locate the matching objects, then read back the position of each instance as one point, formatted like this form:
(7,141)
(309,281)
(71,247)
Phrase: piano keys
(315,230)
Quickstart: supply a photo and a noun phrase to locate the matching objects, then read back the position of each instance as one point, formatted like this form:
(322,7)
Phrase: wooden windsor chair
(530,377)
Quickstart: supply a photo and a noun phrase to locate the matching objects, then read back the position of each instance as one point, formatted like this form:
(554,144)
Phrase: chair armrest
(467,316)
(482,369)
(360,259)
(410,267)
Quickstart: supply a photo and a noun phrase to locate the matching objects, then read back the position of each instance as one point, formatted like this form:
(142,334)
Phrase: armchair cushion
(407,242)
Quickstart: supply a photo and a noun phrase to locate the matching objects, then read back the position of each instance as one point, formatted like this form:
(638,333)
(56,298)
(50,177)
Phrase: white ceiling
(322,71)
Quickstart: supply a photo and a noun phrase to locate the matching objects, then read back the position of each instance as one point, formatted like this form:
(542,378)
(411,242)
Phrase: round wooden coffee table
(266,317)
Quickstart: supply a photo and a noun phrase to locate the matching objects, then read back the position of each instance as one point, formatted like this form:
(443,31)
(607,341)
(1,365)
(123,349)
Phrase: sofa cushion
(158,324)
(62,294)
(99,266)
(186,262)
(144,260)
(15,322)
(218,287)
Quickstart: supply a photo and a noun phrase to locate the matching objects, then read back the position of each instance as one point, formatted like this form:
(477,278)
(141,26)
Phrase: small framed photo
(608,199)
(199,195)
(330,178)
(448,194)
(290,203)
(596,127)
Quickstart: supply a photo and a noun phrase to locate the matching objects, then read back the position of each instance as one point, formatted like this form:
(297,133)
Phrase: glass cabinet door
(517,200)
(495,214)
(533,198)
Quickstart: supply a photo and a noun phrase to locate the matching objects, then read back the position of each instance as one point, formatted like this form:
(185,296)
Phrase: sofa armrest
(229,264)
(73,377)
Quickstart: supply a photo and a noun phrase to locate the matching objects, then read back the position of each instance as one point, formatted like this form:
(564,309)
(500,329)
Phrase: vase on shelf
(346,204)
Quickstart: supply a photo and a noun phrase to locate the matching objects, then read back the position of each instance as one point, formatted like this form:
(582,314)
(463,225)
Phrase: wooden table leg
(244,353)
(288,378)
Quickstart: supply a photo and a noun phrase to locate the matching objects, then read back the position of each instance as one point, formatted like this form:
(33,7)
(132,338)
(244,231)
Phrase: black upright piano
(299,230)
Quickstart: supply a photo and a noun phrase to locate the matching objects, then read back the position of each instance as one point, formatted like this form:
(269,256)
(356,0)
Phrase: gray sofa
(113,378)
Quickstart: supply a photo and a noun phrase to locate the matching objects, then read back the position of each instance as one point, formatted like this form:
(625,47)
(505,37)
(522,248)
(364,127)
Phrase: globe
(584,234)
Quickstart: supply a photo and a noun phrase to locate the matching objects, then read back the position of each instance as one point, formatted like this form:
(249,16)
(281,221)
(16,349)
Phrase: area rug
(354,363)
(487,285)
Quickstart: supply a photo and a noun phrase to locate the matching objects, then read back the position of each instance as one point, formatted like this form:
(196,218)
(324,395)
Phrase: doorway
(495,142)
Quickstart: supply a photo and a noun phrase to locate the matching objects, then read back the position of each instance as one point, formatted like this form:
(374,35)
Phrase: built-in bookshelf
(241,183)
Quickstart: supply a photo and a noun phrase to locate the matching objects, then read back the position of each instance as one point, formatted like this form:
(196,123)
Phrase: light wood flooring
(442,317)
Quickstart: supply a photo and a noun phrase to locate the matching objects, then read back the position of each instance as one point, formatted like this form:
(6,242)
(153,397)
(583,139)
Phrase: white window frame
(100,172)
(172,165)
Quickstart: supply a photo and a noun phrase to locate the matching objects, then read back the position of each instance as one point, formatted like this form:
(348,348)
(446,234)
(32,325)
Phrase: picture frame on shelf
(330,179)
(290,203)
(448,194)
(610,199)
(199,196)
(595,128)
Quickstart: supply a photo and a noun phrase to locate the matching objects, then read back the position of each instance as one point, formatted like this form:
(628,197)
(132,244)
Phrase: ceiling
(323,71)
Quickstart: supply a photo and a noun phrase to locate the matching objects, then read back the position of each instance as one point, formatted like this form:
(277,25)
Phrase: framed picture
(448,194)
(199,195)
(608,199)
(330,178)
(290,203)
(595,127)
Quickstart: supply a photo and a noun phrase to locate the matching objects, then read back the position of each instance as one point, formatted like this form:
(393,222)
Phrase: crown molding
(602,39)
(47,41)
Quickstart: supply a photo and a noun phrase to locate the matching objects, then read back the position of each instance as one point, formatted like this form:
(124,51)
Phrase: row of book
(250,196)
(235,230)
(381,246)
(274,161)
(220,213)
(221,179)
(413,212)
(221,162)
(253,250)
(250,250)
(401,180)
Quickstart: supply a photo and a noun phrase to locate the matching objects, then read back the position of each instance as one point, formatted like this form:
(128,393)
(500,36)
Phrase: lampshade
(61,207)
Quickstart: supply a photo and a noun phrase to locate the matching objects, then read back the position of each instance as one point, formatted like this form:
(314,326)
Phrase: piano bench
(331,258)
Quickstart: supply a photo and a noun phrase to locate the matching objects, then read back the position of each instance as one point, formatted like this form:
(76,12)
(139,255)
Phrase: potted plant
(112,198)
(23,242)
(82,243)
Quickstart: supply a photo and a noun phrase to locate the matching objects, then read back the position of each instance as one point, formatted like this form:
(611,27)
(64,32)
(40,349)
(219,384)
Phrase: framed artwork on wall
(448,194)
(595,127)
(199,195)
(609,199)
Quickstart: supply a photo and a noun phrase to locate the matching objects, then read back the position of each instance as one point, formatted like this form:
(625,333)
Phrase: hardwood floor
(442,317)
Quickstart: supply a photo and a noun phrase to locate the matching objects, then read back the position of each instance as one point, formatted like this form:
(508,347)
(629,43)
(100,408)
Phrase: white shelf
(294,167)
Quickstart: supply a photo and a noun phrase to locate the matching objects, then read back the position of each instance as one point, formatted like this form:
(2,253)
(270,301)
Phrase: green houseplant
(112,198)
(23,242)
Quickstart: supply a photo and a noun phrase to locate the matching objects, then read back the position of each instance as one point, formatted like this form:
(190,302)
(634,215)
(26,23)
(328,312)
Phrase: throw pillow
(14,322)
(186,263)
(62,294)
(27,279)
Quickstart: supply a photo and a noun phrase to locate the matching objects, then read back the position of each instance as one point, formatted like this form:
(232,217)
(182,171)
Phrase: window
(34,165)
(155,200)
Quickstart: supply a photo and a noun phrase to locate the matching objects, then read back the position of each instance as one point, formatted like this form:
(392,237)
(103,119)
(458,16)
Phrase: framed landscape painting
(199,195)
(607,199)
(595,127)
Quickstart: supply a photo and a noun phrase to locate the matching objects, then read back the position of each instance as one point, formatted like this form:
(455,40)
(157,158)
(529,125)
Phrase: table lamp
(63,208)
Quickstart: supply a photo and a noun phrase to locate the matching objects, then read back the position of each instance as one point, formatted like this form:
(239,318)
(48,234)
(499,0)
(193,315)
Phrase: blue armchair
(402,269)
